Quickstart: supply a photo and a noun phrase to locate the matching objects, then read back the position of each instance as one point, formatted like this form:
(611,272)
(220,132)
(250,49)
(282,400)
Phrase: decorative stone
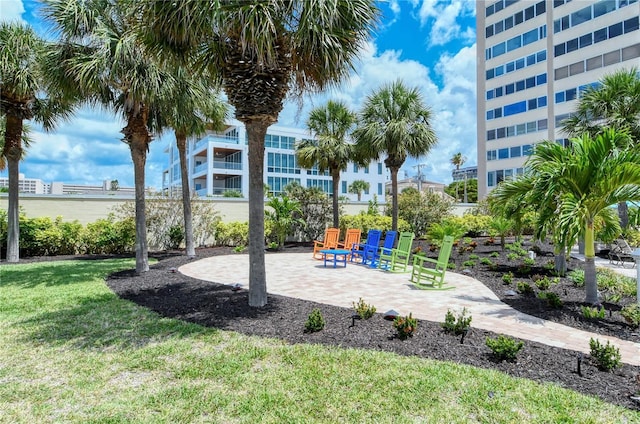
(236,287)
(510,293)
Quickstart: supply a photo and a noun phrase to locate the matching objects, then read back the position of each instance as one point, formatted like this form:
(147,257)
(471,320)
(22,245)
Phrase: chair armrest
(423,259)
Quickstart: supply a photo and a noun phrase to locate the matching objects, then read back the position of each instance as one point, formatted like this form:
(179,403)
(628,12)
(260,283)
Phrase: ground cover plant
(165,370)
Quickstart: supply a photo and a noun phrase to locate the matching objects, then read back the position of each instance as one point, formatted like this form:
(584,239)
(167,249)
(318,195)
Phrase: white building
(218,163)
(534,60)
(37,186)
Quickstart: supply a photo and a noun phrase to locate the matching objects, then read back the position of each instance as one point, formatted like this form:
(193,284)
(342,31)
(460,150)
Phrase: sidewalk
(298,275)
(629,270)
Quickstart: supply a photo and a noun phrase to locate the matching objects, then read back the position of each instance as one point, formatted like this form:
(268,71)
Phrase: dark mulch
(174,295)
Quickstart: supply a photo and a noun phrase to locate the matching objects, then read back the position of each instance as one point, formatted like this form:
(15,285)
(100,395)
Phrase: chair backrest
(389,241)
(331,238)
(351,237)
(624,246)
(405,242)
(373,238)
(445,251)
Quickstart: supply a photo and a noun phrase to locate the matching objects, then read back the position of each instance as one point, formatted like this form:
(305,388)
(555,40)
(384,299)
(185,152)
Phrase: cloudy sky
(429,44)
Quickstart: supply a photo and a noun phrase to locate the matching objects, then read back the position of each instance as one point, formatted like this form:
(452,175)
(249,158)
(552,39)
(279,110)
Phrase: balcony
(221,164)
(200,168)
(215,139)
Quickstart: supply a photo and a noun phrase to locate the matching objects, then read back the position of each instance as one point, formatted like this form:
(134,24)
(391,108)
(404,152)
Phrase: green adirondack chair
(397,260)
(432,278)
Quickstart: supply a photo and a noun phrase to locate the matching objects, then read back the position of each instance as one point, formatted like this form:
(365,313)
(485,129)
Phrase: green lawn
(71,351)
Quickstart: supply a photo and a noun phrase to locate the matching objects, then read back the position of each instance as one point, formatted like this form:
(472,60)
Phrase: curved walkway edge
(298,275)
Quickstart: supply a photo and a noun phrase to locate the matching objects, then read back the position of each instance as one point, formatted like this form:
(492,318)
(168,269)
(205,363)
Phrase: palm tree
(192,106)
(26,93)
(330,150)
(394,120)
(105,63)
(576,185)
(458,160)
(357,187)
(614,103)
(260,51)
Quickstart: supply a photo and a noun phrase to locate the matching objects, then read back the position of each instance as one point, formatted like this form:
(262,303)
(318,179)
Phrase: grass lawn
(71,351)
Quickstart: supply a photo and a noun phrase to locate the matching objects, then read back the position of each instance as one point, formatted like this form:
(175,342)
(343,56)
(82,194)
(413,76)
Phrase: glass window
(491,178)
(499,176)
(519,171)
(603,7)
(586,40)
(498,49)
(344,187)
(520,63)
(615,30)
(521,129)
(527,150)
(498,27)
(541,56)
(560,97)
(600,35)
(379,168)
(366,169)
(572,45)
(532,104)
(541,79)
(509,88)
(531,82)
(498,6)
(530,37)
(355,168)
(565,22)
(582,15)
(500,132)
(487,53)
(570,94)
(542,102)
(542,123)
(491,155)
(491,135)
(497,112)
(519,17)
(489,94)
(540,8)
(531,127)
(379,189)
(515,108)
(489,10)
(508,23)
(499,70)
(631,24)
(499,92)
(508,174)
(520,85)
(529,13)
(556,26)
(514,43)
(511,66)
(488,31)
(511,131)
(490,74)
(559,50)
(503,153)
(531,60)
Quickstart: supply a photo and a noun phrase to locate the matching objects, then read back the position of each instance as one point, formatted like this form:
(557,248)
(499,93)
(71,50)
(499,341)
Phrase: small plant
(473,256)
(631,313)
(505,348)
(529,261)
(405,326)
(523,269)
(524,288)
(543,284)
(239,249)
(552,299)
(490,241)
(507,278)
(494,254)
(273,245)
(469,263)
(451,265)
(512,256)
(550,265)
(315,322)
(486,261)
(607,356)
(364,310)
(577,276)
(456,325)
(593,312)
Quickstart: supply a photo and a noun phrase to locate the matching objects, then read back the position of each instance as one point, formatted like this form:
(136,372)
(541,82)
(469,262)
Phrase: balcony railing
(221,164)
(216,139)
(200,168)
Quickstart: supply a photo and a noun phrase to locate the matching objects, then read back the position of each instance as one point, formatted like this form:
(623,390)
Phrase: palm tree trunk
(139,145)
(335,176)
(181,141)
(256,131)
(590,280)
(560,260)
(623,214)
(13,153)
(394,197)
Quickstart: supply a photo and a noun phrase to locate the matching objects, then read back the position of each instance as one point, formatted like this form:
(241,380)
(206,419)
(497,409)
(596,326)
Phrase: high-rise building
(218,165)
(535,58)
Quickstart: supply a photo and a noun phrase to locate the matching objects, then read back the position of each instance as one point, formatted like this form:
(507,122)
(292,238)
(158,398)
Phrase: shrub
(438,231)
(504,348)
(405,326)
(232,193)
(176,235)
(420,210)
(364,310)
(469,263)
(611,280)
(631,313)
(486,261)
(232,234)
(315,322)
(524,288)
(494,254)
(507,278)
(577,276)
(456,325)
(543,284)
(108,236)
(367,222)
(552,299)
(475,225)
(593,312)
(607,356)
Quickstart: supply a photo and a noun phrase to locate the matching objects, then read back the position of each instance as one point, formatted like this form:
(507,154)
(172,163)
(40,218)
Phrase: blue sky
(429,44)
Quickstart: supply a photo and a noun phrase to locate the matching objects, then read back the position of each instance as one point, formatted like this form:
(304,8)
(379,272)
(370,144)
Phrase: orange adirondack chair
(350,238)
(330,241)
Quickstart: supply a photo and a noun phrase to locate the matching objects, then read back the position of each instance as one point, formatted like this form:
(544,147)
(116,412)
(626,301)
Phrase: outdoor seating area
(621,253)
(426,277)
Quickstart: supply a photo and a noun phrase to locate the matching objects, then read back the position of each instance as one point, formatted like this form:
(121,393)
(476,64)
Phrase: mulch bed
(174,295)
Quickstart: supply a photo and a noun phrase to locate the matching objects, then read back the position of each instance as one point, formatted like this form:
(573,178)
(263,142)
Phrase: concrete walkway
(298,275)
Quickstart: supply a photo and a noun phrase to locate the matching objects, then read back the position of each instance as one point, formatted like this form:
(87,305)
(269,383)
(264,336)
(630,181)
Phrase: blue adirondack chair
(368,248)
(387,247)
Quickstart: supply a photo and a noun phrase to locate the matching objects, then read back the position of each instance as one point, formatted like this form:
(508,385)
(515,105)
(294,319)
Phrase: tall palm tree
(104,61)
(357,187)
(331,125)
(394,120)
(614,103)
(458,160)
(190,107)
(26,93)
(582,181)
(261,51)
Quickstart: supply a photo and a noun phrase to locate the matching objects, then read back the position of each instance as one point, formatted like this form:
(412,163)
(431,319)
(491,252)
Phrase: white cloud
(442,17)
(11,10)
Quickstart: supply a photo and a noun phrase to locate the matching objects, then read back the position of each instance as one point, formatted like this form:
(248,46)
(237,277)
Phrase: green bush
(456,325)
(577,276)
(524,288)
(232,234)
(474,225)
(552,299)
(486,261)
(108,236)
(469,263)
(631,313)
(607,356)
(507,278)
(504,348)
(593,312)
(543,283)
(405,326)
(176,235)
(315,322)
(370,222)
(363,309)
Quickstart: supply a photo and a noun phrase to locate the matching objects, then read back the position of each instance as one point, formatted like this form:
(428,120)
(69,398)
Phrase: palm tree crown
(394,120)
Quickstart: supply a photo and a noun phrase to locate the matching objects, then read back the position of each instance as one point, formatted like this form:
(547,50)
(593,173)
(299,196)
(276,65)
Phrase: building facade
(535,58)
(466,173)
(218,165)
(37,186)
